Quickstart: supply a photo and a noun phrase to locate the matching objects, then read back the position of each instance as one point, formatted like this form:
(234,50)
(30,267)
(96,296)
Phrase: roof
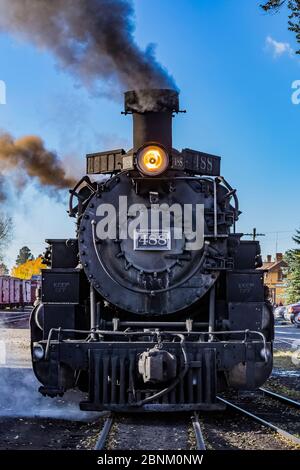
(274,265)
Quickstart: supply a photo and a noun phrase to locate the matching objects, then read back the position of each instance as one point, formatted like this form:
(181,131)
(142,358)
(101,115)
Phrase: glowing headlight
(152,160)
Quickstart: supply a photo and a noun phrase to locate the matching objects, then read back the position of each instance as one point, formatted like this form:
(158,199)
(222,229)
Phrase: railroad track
(200,443)
(198,433)
(104,433)
(241,410)
(112,419)
(281,398)
(11,318)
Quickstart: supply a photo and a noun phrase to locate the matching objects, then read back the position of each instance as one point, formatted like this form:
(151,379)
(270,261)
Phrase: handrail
(157,333)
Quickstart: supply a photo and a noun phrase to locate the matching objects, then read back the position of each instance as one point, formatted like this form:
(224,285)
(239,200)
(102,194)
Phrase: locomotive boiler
(157,304)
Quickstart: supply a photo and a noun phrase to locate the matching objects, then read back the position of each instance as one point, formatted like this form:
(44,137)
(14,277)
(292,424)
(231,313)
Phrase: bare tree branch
(294,16)
(6,228)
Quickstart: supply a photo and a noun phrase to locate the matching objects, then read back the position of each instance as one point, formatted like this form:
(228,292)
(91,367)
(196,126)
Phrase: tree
(294,14)
(293,280)
(28,269)
(296,238)
(6,229)
(3,269)
(23,256)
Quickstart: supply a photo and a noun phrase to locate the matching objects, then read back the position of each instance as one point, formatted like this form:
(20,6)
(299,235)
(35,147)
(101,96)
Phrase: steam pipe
(215,210)
(98,315)
(93,314)
(156,324)
(212,312)
(128,334)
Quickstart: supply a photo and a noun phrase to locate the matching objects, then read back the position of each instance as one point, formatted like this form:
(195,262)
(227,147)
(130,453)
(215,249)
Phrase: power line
(282,231)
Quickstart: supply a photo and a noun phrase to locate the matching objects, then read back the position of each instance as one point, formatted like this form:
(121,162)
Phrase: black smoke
(93,39)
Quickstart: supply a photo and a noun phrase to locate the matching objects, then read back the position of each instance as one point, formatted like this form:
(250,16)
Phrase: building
(275,278)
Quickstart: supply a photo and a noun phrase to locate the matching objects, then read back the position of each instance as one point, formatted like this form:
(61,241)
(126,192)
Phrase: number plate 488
(156,240)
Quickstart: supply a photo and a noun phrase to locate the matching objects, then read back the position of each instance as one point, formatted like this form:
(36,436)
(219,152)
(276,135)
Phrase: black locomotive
(157,304)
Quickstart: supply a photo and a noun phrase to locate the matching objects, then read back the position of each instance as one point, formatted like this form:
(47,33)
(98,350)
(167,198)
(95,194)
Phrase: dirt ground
(285,378)
(27,419)
(46,434)
(15,347)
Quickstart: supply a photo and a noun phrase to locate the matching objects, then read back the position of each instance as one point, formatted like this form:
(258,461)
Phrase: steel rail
(283,399)
(285,434)
(100,444)
(14,315)
(6,321)
(105,431)
(198,432)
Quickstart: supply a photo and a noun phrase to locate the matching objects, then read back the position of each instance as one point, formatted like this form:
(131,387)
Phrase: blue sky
(235,84)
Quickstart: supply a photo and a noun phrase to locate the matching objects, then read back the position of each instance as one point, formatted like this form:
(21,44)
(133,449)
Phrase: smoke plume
(2,189)
(19,396)
(92,38)
(29,155)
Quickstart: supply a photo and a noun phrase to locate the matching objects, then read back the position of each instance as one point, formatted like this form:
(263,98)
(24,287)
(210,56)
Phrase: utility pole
(276,249)
(254,234)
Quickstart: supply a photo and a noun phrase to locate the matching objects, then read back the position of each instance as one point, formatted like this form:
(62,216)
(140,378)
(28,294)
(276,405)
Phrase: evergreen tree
(293,283)
(296,238)
(24,255)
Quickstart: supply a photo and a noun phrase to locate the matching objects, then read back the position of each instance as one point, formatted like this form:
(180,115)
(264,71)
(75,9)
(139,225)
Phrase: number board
(155,240)
(197,162)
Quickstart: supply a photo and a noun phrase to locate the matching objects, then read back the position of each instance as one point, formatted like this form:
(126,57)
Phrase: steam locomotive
(157,304)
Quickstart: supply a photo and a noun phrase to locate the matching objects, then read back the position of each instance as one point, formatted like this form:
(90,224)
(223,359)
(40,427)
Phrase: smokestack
(152,112)
(279,256)
(269,259)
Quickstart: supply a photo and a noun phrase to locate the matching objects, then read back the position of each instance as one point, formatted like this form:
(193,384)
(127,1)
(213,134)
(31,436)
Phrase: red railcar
(16,292)
(34,287)
(26,297)
(4,290)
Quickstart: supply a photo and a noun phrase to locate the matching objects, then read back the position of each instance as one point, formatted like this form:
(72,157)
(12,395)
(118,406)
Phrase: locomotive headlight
(152,160)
